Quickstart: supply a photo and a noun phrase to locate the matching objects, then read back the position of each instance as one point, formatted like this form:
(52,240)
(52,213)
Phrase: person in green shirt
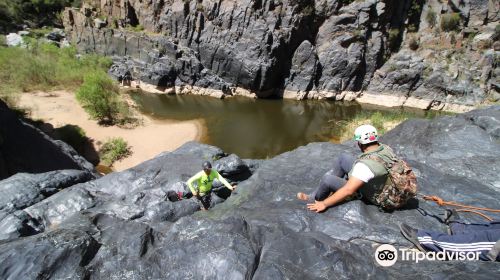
(204,181)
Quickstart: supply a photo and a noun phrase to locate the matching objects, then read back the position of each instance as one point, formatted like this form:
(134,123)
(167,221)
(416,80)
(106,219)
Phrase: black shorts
(206,200)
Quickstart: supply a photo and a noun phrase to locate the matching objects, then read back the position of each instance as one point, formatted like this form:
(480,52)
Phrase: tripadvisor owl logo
(386,255)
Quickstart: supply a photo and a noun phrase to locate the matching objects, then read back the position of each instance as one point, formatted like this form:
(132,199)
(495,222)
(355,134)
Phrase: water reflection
(253,128)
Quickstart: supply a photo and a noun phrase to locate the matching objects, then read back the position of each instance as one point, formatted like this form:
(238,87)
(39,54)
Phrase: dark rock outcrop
(23,190)
(122,225)
(264,47)
(24,148)
(299,49)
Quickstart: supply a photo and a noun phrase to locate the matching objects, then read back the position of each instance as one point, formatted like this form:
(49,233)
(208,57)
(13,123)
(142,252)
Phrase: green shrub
(99,96)
(3,40)
(114,150)
(431,17)
(450,22)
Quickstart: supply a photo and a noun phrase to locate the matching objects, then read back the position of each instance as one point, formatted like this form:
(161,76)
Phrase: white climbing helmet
(366,134)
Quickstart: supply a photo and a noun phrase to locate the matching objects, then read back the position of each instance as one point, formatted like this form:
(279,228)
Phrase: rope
(476,212)
(464,208)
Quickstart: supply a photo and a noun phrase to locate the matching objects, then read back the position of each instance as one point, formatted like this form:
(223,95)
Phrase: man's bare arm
(350,188)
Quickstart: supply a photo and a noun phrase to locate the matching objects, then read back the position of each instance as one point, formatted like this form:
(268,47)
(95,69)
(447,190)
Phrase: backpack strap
(386,161)
(494,252)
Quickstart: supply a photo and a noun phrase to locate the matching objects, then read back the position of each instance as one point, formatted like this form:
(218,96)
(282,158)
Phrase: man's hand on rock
(317,206)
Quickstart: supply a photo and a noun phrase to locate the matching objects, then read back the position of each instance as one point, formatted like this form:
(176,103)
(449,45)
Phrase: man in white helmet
(365,177)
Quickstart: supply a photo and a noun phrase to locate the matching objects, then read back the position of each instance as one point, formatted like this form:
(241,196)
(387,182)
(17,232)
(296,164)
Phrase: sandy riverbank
(147,140)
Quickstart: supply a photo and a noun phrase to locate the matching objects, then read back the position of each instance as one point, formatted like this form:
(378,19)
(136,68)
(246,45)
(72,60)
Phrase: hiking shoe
(411,234)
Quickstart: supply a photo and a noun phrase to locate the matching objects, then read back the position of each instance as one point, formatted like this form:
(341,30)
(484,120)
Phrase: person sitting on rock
(367,176)
(204,181)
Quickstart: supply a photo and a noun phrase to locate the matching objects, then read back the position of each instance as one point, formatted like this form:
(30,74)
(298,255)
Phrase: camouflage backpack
(400,186)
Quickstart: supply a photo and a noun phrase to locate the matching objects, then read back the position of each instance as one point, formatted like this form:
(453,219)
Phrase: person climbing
(482,239)
(377,175)
(204,181)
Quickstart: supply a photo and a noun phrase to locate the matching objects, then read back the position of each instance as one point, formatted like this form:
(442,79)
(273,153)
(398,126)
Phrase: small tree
(98,95)
(430,17)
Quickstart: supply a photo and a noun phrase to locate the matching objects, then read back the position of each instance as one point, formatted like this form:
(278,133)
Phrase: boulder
(23,190)
(304,64)
(14,40)
(56,35)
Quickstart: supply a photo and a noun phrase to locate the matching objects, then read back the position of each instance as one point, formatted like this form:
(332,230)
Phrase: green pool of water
(256,128)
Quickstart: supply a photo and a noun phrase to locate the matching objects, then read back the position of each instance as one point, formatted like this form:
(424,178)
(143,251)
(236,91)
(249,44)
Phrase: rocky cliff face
(289,48)
(121,226)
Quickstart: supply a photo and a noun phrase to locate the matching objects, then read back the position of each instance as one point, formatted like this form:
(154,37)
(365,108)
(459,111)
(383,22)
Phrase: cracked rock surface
(121,226)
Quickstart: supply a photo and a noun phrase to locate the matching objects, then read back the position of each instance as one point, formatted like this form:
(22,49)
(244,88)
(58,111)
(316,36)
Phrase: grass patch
(382,121)
(113,150)
(137,28)
(44,67)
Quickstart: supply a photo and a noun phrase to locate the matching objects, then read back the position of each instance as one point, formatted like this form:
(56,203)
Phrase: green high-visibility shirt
(205,182)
